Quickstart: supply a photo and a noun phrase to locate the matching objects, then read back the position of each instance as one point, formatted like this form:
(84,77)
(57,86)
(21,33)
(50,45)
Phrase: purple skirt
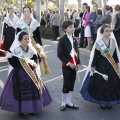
(10,102)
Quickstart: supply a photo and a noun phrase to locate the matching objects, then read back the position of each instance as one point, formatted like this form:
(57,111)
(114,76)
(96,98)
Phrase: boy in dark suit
(68,53)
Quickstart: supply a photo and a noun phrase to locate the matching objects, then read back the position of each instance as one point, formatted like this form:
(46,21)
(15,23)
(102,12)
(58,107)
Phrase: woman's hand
(8,54)
(32,63)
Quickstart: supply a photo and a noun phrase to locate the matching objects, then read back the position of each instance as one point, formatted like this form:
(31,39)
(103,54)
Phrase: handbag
(117,25)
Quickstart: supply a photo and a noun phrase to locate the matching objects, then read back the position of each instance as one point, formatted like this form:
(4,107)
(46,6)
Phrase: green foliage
(12,3)
(92,1)
(29,3)
(46,32)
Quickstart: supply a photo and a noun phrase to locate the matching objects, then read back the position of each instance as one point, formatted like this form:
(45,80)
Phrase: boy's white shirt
(70,37)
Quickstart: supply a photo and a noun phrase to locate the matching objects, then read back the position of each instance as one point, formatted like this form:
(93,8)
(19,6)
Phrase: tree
(62,6)
(79,3)
(20,9)
(104,2)
(46,4)
(38,10)
(57,3)
(29,3)
(4,4)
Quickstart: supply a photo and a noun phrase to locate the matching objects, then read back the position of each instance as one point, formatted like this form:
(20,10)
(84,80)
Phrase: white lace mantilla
(111,48)
(20,53)
(32,27)
(11,23)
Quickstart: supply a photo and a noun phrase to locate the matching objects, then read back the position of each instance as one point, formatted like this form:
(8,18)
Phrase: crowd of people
(87,22)
(24,50)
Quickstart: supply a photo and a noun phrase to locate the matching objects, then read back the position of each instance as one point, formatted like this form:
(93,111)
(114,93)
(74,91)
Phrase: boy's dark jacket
(64,48)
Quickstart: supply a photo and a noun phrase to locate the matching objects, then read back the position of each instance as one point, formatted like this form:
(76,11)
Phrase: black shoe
(72,107)
(109,106)
(103,106)
(32,114)
(21,114)
(63,108)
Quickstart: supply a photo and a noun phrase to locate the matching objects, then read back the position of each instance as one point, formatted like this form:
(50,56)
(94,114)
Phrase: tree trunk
(79,4)
(99,2)
(57,3)
(1,0)
(38,10)
(104,2)
(46,4)
(62,4)
(20,10)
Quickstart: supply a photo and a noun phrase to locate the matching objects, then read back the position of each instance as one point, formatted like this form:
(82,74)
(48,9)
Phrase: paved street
(53,81)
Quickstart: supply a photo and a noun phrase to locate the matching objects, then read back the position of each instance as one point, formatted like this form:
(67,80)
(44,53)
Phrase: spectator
(66,14)
(82,15)
(43,22)
(86,25)
(106,18)
(114,20)
(55,21)
(92,19)
(69,14)
(34,14)
(111,9)
(96,23)
(77,24)
(117,26)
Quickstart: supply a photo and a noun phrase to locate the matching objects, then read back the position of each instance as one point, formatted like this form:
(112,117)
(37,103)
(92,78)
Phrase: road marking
(6,66)
(46,45)
(84,69)
(1,84)
(54,79)
(84,66)
(4,70)
(49,51)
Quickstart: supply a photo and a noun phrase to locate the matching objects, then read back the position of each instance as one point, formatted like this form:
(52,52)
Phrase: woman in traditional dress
(27,22)
(96,88)
(24,92)
(9,28)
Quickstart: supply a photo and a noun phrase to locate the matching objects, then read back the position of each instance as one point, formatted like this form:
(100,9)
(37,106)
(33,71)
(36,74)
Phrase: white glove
(91,73)
(9,55)
(31,62)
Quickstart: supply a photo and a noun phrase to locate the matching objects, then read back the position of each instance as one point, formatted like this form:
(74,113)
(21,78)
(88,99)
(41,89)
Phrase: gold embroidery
(111,60)
(31,74)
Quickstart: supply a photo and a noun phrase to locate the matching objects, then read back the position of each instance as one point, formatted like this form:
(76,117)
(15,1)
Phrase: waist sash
(31,74)
(106,52)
